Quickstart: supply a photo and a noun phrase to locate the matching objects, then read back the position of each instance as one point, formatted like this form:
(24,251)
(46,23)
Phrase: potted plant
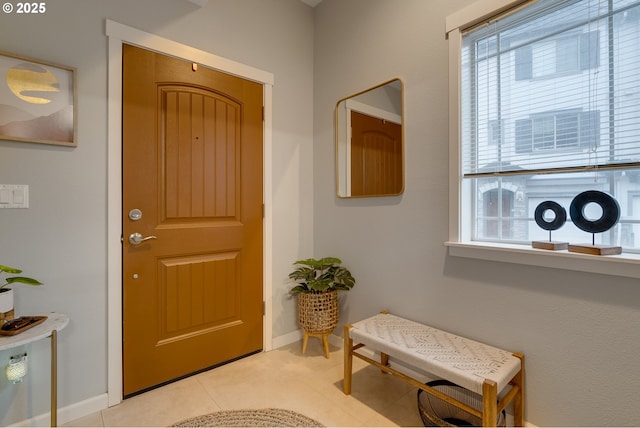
(6,294)
(318,282)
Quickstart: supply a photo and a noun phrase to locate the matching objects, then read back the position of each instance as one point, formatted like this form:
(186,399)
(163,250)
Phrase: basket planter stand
(318,316)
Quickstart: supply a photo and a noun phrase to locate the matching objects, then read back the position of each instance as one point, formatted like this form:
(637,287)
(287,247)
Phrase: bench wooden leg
(384,360)
(348,360)
(518,401)
(489,403)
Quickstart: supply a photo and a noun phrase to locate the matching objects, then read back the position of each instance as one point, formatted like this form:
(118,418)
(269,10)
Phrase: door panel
(192,164)
(197,294)
(201,176)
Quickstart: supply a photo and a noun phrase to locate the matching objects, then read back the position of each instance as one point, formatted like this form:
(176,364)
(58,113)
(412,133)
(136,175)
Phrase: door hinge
(264,308)
(263,211)
(263,113)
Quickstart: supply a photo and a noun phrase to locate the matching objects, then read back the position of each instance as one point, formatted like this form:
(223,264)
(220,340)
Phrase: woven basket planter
(318,311)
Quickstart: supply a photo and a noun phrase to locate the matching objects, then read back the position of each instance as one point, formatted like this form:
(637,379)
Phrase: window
(495,132)
(569,53)
(549,106)
(557,131)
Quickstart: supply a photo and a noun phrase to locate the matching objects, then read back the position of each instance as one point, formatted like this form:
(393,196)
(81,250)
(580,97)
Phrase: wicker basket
(318,311)
(436,412)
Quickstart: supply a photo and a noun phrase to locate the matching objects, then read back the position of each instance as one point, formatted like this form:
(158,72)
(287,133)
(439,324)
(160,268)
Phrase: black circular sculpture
(610,211)
(557,209)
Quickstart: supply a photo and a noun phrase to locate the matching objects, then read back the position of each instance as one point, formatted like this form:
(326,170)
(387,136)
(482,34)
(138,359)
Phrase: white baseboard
(295,336)
(286,339)
(83,408)
(68,413)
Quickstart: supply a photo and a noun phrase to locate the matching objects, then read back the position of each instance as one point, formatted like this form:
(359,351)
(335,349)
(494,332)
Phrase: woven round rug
(250,418)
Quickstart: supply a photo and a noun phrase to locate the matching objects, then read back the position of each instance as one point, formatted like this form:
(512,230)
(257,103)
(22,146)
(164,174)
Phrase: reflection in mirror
(369,142)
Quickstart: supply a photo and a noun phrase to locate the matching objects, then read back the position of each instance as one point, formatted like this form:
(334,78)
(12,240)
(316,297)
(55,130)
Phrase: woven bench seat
(473,365)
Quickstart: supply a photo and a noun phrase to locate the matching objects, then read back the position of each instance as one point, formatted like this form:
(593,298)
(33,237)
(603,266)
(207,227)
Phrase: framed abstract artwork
(37,101)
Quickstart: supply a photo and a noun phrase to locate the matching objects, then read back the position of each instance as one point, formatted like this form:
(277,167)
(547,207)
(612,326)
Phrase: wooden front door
(192,189)
(376,156)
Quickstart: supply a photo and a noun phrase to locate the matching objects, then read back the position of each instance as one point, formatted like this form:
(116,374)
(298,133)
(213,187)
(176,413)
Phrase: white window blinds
(552,87)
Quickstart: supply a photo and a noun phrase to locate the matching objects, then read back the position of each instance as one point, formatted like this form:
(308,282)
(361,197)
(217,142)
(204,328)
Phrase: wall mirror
(369,142)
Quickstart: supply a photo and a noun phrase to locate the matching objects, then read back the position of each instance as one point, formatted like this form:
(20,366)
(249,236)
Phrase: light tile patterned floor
(284,378)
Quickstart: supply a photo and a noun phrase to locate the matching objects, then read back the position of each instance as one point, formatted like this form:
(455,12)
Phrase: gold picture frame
(37,101)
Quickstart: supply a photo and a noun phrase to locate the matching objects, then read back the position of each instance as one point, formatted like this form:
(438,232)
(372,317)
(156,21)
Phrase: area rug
(250,418)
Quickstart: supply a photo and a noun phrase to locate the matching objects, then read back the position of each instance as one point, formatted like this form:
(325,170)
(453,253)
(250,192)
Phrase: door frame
(118,34)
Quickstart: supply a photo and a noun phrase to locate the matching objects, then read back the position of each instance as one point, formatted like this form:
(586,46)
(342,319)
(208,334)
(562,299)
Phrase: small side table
(49,328)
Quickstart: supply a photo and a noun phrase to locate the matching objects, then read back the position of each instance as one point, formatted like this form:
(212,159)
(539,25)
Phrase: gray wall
(61,239)
(579,331)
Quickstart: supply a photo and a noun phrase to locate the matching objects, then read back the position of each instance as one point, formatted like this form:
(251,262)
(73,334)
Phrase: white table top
(54,321)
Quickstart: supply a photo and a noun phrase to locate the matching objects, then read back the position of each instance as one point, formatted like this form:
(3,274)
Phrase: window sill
(627,265)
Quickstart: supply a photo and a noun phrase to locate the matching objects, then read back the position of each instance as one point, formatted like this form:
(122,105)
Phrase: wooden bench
(495,374)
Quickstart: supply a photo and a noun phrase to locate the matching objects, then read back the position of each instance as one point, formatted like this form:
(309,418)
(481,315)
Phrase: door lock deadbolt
(135,214)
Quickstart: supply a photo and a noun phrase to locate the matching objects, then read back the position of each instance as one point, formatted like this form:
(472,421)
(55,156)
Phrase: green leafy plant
(13,279)
(324,274)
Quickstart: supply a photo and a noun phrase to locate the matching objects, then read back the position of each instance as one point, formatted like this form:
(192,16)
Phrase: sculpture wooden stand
(598,250)
(595,249)
(550,245)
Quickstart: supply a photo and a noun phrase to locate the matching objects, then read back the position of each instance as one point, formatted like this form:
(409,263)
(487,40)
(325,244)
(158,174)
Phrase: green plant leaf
(319,263)
(305,273)
(9,269)
(298,289)
(23,280)
(313,263)
(328,261)
(320,284)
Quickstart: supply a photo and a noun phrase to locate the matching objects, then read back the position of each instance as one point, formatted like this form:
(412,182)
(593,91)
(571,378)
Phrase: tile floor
(284,378)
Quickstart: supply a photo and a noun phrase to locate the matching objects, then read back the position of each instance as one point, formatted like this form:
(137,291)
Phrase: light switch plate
(14,196)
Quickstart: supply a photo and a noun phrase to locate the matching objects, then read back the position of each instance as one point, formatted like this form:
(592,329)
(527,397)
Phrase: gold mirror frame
(369,142)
